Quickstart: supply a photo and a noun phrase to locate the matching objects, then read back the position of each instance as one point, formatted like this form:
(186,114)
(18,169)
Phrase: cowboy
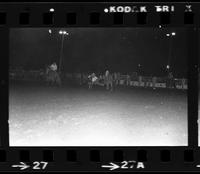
(56,78)
(106,73)
(53,67)
(108,80)
(94,77)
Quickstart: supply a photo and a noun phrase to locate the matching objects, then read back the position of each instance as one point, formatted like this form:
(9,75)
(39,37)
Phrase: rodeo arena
(96,109)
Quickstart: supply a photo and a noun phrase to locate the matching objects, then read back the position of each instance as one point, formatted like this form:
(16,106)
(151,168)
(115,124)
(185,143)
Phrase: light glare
(51,10)
(173,33)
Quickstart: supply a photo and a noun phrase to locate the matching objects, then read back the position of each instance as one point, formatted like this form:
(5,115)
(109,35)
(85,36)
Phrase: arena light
(65,33)
(167,34)
(173,33)
(50,31)
(51,10)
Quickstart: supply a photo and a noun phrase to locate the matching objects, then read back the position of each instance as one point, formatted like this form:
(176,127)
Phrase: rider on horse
(52,74)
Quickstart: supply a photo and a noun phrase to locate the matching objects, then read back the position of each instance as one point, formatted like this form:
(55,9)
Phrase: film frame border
(22,15)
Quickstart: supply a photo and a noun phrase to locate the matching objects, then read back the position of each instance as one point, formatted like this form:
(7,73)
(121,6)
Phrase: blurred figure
(154,79)
(54,66)
(118,78)
(183,81)
(115,79)
(107,73)
(128,80)
(108,80)
(101,79)
(171,80)
(93,80)
(140,80)
(52,76)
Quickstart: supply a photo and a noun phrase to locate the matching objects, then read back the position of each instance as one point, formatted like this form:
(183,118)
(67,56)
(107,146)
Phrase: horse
(93,80)
(52,77)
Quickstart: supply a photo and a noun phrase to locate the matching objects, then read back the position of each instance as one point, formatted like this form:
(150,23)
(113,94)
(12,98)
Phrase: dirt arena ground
(75,116)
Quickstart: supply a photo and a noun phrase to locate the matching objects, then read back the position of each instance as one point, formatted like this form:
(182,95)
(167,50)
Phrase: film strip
(67,18)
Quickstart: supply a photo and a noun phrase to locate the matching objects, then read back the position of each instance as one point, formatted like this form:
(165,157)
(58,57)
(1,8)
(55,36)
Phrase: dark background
(98,49)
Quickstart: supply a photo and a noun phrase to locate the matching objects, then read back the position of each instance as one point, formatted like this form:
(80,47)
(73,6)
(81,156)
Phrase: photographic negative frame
(101,15)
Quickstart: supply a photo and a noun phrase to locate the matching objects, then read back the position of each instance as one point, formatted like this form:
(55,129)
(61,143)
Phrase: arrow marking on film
(112,166)
(22,166)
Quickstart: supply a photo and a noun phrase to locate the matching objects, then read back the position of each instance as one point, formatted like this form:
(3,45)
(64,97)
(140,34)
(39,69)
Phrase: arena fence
(124,80)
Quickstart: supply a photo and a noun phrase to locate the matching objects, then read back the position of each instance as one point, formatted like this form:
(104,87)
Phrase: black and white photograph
(198,89)
(98,86)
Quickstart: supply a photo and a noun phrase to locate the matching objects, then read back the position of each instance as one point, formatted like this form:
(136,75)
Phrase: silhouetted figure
(171,81)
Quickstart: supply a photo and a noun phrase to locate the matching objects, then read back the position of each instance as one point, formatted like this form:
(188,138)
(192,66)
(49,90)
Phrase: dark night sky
(93,49)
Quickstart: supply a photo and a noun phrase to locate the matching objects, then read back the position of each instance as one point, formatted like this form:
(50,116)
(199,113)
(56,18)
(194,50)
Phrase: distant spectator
(118,78)
(183,81)
(140,80)
(115,78)
(171,80)
(128,80)
(154,79)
